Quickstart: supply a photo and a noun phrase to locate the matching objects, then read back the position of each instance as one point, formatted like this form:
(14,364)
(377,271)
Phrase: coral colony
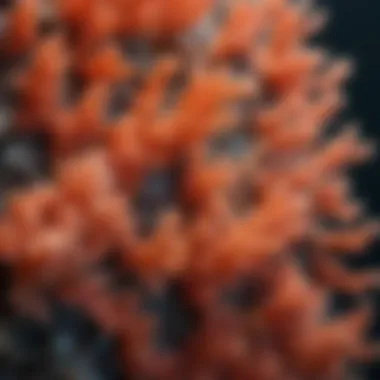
(192,145)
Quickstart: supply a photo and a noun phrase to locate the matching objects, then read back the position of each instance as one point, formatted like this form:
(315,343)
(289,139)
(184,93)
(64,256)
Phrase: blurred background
(354,30)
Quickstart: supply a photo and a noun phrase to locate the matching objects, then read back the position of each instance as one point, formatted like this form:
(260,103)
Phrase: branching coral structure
(194,144)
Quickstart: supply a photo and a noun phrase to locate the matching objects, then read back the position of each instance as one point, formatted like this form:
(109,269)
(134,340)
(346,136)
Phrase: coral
(127,89)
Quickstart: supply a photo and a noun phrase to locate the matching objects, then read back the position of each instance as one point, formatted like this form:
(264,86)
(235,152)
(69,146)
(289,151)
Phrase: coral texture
(193,143)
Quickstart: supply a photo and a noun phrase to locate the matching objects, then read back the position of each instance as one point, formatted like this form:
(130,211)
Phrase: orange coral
(230,217)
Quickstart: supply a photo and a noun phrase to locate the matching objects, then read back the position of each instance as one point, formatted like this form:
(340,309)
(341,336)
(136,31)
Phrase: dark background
(354,30)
